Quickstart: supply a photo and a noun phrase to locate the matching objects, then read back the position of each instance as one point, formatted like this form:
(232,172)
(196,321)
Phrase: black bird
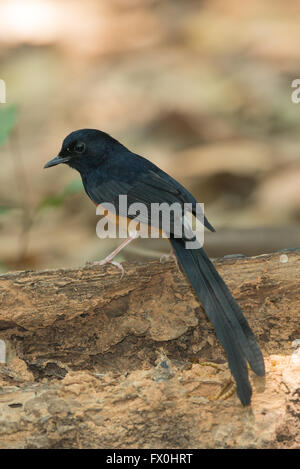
(108,169)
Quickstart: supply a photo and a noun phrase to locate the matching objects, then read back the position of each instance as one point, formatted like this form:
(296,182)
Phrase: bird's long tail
(230,325)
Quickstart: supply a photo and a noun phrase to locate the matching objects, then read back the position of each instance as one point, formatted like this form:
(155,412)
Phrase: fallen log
(93,361)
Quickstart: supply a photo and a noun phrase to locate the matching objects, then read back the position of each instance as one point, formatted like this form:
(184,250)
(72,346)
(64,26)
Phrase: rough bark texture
(96,362)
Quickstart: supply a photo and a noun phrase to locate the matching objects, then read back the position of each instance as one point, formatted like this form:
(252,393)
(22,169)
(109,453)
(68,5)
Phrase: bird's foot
(111,256)
(108,260)
(166,257)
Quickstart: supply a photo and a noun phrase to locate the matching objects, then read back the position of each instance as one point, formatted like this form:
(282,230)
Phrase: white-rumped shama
(108,169)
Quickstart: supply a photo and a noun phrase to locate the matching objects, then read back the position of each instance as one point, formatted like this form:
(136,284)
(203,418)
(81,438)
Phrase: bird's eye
(68,149)
(79,147)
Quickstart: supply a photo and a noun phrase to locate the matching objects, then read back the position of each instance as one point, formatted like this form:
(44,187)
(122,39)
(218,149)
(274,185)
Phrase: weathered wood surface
(127,348)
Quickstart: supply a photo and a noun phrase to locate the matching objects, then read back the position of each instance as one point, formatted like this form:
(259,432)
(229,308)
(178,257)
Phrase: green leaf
(8,118)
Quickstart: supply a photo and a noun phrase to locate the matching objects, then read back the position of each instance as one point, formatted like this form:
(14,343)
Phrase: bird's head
(84,149)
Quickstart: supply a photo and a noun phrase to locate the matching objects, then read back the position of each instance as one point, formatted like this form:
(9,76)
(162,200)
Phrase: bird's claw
(109,261)
(166,257)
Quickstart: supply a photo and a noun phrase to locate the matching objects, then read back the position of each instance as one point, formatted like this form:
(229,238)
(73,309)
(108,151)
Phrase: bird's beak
(57,160)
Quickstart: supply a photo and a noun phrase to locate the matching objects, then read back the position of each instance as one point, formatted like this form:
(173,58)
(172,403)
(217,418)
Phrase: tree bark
(93,361)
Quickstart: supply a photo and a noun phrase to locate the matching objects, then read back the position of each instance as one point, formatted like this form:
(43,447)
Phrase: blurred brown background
(202,88)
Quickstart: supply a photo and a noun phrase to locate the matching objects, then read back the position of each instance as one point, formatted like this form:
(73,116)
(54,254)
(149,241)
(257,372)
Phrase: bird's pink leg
(109,259)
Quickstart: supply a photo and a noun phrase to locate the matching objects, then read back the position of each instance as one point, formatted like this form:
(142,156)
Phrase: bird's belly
(128,226)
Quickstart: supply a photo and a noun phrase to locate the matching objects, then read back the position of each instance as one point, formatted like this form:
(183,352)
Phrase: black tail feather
(230,325)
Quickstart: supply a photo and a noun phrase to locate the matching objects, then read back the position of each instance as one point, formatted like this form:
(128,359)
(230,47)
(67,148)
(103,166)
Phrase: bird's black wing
(106,191)
(186,196)
(158,188)
(141,181)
